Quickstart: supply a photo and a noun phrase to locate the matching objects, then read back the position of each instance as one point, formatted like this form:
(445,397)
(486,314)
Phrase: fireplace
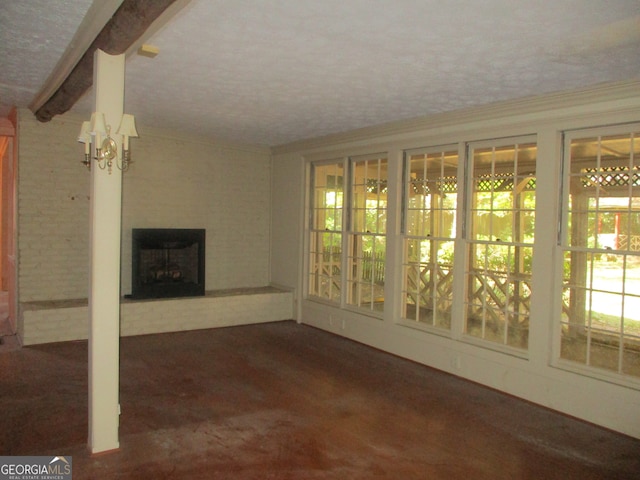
(167,262)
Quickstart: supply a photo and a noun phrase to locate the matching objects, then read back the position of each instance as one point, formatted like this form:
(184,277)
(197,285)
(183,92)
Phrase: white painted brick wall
(54,324)
(192,184)
(53,211)
(175,182)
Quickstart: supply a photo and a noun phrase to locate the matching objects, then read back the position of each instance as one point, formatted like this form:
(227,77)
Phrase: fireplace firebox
(167,262)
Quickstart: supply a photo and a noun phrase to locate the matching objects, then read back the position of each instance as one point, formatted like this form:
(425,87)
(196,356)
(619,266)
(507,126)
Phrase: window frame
(407,237)
(564,247)
(312,229)
(469,241)
(353,261)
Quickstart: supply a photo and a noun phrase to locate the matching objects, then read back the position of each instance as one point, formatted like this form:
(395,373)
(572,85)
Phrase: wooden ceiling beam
(127,25)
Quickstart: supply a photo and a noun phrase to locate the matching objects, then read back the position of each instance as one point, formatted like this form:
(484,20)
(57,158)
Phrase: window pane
(430,196)
(502,220)
(367,245)
(366,271)
(325,238)
(418,222)
(325,265)
(600,319)
(503,197)
(327,197)
(369,196)
(631,355)
(428,292)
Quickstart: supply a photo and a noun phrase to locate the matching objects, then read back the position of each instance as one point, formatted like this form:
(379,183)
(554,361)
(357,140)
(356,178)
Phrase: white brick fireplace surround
(176,181)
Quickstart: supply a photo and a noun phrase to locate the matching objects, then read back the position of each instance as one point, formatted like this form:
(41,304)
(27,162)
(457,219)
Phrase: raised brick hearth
(64,320)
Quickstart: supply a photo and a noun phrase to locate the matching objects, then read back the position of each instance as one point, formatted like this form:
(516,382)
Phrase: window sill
(441,332)
(496,347)
(597,373)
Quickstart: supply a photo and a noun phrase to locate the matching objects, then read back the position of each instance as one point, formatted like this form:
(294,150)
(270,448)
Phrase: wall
(53,211)
(190,183)
(176,181)
(532,376)
(286,245)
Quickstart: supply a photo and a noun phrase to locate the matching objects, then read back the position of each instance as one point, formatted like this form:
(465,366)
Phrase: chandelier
(96,136)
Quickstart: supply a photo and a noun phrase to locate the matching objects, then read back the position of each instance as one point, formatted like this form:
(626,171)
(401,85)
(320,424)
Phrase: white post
(104,289)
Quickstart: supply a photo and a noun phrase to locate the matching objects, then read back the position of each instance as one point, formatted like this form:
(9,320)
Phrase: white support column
(104,290)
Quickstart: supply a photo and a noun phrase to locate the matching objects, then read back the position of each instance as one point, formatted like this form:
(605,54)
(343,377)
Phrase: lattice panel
(422,288)
(623,243)
(618,176)
(500,183)
(376,186)
(422,186)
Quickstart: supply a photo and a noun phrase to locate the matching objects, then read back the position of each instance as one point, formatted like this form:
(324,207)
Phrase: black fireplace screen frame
(178,265)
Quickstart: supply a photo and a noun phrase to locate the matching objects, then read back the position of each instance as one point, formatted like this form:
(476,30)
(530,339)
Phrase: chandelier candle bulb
(127,129)
(85,136)
(98,127)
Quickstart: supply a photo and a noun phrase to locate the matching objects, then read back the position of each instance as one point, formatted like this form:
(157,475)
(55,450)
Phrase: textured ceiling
(275,71)
(33,36)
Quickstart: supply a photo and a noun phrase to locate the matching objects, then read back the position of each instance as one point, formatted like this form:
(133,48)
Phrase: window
(367,232)
(600,317)
(499,240)
(325,240)
(430,201)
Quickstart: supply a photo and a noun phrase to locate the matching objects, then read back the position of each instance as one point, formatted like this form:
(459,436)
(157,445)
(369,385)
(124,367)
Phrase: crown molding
(158,133)
(621,94)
